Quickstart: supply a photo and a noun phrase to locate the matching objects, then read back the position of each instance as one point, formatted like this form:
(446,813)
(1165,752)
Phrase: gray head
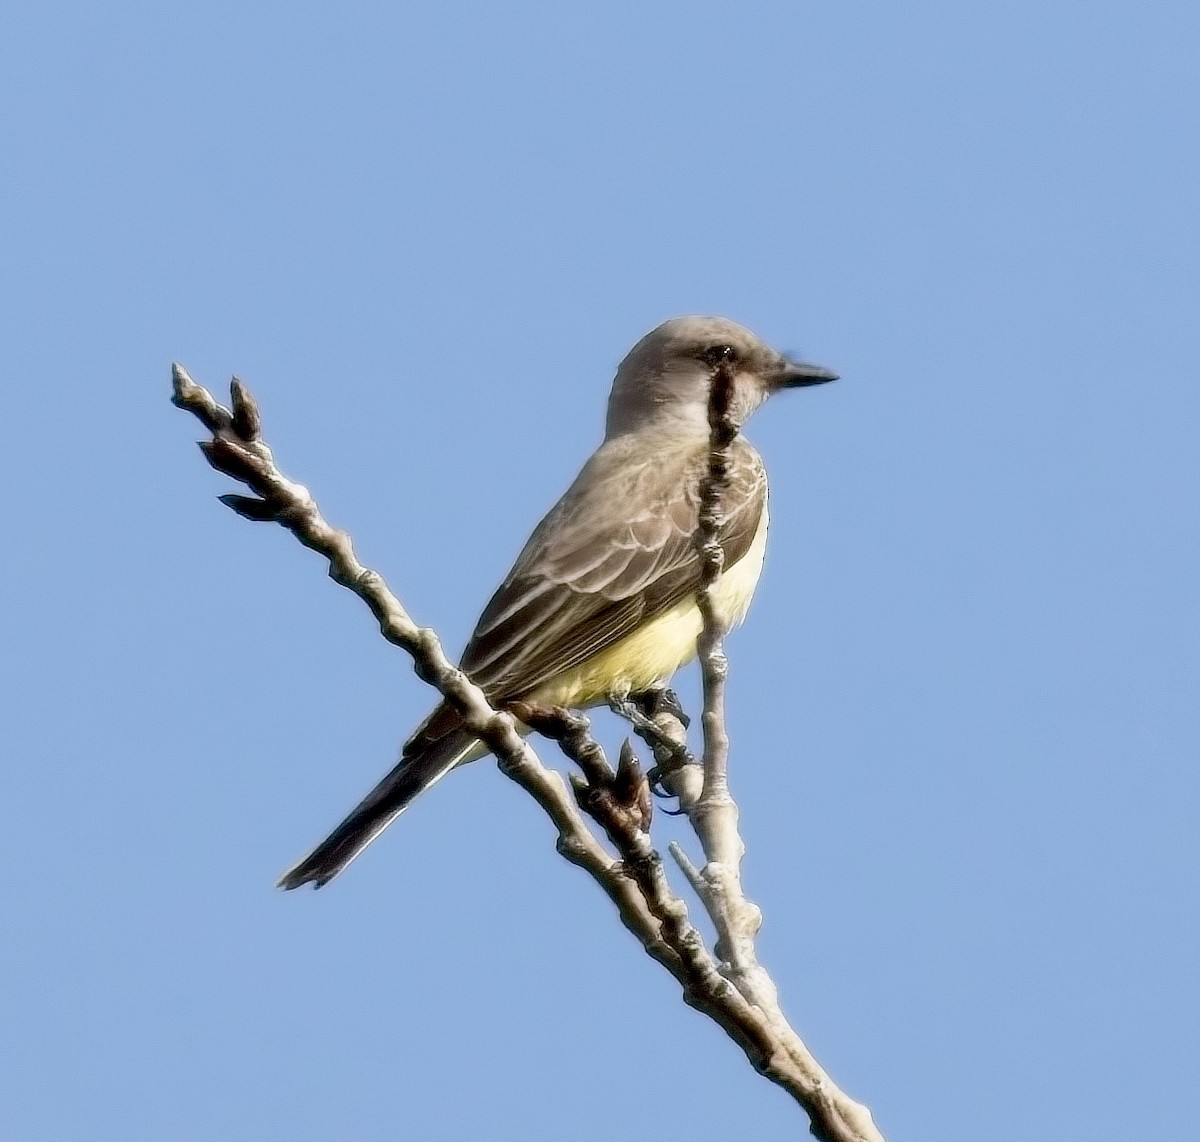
(665,378)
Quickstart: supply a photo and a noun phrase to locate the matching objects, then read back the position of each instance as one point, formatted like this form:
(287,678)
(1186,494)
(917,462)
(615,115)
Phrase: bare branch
(835,1117)
(736,993)
(293,507)
(624,821)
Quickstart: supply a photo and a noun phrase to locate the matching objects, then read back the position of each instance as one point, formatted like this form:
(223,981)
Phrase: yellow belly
(648,657)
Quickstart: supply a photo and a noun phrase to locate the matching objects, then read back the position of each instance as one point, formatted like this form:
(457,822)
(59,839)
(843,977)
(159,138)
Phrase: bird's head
(666,376)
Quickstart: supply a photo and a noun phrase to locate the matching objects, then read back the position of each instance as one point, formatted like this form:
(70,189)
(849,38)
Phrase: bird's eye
(719,354)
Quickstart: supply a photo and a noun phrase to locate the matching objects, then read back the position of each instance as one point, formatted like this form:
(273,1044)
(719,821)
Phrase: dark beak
(796,374)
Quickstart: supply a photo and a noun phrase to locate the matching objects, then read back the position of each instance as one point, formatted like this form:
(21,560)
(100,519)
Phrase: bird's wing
(614,553)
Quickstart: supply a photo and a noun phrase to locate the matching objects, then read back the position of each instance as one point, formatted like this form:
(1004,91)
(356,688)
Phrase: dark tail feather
(410,778)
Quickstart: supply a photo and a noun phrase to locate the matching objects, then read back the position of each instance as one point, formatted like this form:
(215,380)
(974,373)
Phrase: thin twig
(248,459)
(835,1117)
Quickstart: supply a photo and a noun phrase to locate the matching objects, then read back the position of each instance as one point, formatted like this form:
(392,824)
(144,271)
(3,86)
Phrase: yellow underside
(648,657)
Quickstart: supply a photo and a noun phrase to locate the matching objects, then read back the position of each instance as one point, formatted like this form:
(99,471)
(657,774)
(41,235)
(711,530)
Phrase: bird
(601,601)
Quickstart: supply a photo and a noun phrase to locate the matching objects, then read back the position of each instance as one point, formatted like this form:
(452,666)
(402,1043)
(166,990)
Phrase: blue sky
(964,705)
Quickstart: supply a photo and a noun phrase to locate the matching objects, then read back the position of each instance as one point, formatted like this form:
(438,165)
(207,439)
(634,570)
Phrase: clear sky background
(964,708)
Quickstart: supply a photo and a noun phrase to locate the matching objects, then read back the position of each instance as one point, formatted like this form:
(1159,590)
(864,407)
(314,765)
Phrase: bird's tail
(424,762)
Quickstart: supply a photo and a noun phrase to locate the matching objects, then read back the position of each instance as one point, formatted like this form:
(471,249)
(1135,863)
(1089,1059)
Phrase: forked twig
(737,993)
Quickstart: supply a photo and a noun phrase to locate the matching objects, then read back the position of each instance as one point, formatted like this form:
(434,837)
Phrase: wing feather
(616,551)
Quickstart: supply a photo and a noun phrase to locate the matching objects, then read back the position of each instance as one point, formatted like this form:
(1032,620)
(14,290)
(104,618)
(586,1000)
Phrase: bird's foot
(654,703)
(642,711)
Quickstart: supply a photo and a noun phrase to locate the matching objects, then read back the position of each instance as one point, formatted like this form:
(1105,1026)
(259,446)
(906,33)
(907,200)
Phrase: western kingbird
(602,600)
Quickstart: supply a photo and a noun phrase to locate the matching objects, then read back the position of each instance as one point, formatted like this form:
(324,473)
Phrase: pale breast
(650,655)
